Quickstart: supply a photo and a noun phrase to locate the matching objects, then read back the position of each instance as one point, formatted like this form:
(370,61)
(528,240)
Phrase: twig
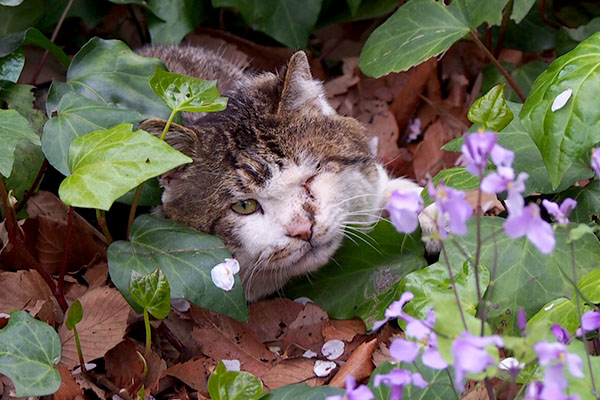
(490,388)
(52,39)
(134,203)
(137,24)
(34,185)
(503,28)
(499,66)
(101,218)
(63,267)
(478,249)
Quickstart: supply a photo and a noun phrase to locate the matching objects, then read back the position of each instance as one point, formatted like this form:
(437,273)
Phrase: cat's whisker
(354,198)
(343,232)
(356,235)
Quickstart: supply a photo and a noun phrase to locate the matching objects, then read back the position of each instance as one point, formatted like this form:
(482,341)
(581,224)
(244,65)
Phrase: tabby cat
(279,176)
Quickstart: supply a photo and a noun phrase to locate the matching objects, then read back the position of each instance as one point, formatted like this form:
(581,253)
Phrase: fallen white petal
(560,100)
(4,315)
(333,349)
(323,368)
(222,274)
(309,354)
(275,349)
(303,300)
(232,365)
(88,367)
(510,363)
(550,307)
(181,305)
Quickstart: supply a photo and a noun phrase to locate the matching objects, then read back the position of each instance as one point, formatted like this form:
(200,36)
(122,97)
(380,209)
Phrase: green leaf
(456,177)
(12,65)
(74,315)
(171,20)
(491,110)
(580,230)
(353,5)
(589,285)
(29,352)
(521,9)
(368,9)
(11,42)
(564,135)
(186,93)
(184,255)
(11,3)
(523,75)
(23,16)
(439,387)
(584,386)
(13,128)
(288,21)
(107,84)
(151,292)
(232,385)
(302,391)
(588,201)
(434,279)
(151,194)
(525,278)
(560,311)
(21,99)
(107,164)
(539,34)
(567,39)
(361,280)
(489,11)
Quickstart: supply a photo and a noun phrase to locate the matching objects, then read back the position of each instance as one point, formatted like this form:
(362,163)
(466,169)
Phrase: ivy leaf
(11,66)
(288,21)
(491,110)
(361,280)
(589,285)
(564,135)
(421,29)
(184,255)
(455,177)
(11,42)
(233,385)
(107,84)
(107,164)
(302,391)
(588,201)
(171,20)
(13,128)
(186,93)
(560,311)
(151,292)
(521,9)
(74,315)
(29,352)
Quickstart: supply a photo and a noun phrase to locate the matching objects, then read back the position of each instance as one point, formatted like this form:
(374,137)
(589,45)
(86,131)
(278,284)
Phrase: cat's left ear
(300,91)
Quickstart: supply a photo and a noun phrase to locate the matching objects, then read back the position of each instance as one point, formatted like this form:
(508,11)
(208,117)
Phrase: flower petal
(560,100)
(404,350)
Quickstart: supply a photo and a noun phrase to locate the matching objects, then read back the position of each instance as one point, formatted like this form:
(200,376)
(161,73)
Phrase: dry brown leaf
(44,310)
(429,156)
(305,330)
(69,389)
(21,289)
(269,319)
(96,275)
(103,326)
(359,364)
(123,365)
(343,329)
(290,371)
(193,373)
(221,337)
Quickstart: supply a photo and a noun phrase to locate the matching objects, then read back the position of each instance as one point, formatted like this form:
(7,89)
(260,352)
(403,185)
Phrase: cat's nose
(301,227)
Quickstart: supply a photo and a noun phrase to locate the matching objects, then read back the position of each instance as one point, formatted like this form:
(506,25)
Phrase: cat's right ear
(179,137)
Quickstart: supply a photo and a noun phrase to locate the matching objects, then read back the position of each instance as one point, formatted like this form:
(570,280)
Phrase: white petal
(333,349)
(275,349)
(323,368)
(233,265)
(88,367)
(309,354)
(560,100)
(509,363)
(303,300)
(232,365)
(4,315)
(550,307)
(222,275)
(181,305)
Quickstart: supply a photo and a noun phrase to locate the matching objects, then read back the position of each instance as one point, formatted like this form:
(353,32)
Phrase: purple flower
(530,223)
(353,392)
(552,388)
(560,213)
(502,157)
(556,354)
(504,179)
(407,351)
(399,378)
(394,310)
(522,320)
(451,206)
(476,149)
(404,209)
(590,321)
(561,334)
(470,355)
(596,160)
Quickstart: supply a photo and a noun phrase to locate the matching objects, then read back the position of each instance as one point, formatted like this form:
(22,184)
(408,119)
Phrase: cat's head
(277,176)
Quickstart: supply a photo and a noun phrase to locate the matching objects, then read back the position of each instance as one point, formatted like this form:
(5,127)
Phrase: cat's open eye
(246,207)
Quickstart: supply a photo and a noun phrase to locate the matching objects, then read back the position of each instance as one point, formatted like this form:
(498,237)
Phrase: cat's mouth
(301,253)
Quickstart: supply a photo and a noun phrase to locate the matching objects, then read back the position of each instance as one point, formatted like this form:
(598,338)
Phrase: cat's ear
(179,137)
(300,91)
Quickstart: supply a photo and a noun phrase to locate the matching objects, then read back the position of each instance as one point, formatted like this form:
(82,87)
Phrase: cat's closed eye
(246,207)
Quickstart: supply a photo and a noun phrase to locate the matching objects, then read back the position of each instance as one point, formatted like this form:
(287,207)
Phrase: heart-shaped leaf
(11,42)
(13,128)
(29,352)
(361,280)
(184,255)
(74,315)
(11,66)
(455,177)
(564,132)
(490,110)
(107,84)
(186,93)
(107,164)
(151,292)
(233,385)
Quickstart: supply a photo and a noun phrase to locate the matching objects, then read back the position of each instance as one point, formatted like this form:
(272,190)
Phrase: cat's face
(278,181)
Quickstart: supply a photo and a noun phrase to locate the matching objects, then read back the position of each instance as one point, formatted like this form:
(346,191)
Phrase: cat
(278,175)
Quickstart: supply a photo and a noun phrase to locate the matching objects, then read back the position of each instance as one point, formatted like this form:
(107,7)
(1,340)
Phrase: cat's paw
(428,223)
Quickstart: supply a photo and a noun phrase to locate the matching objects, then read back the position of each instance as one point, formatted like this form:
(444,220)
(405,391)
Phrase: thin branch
(63,267)
(503,28)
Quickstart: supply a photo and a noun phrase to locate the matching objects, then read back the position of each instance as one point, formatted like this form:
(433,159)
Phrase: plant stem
(63,267)
(488,293)
(490,389)
(79,352)
(148,347)
(168,124)
(52,39)
(101,218)
(462,316)
(34,185)
(478,249)
(499,66)
(503,28)
(452,384)
(578,303)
